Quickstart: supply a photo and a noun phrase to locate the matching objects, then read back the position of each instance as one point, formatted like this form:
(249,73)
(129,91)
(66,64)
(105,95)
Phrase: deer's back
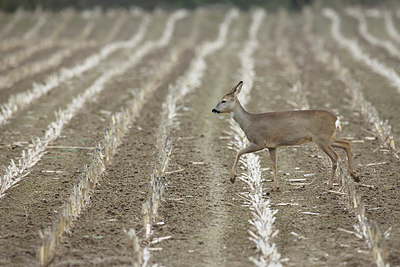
(273,129)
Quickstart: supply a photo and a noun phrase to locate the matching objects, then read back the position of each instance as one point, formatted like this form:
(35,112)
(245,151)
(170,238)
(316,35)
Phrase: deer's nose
(215,111)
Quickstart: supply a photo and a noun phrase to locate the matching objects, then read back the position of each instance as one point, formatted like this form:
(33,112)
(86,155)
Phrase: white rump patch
(338,124)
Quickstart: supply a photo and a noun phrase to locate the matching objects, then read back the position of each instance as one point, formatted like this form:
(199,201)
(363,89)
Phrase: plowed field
(106,126)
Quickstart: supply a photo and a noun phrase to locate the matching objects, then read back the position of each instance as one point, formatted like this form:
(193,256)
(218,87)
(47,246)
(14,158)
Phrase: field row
(160,169)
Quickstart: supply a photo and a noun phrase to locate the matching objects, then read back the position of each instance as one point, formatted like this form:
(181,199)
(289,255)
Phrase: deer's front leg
(249,149)
(272,153)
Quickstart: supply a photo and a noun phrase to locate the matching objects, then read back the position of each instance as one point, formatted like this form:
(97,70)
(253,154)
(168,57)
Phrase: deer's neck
(241,116)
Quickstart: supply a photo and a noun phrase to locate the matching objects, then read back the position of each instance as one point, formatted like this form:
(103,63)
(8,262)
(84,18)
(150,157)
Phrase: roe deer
(274,129)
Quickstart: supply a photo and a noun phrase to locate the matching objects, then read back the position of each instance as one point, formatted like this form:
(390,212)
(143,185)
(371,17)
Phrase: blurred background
(12,5)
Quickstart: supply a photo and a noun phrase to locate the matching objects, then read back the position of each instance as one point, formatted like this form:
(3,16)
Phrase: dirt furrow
(261,228)
(367,228)
(33,206)
(376,23)
(381,48)
(204,217)
(63,115)
(41,64)
(9,22)
(58,40)
(377,89)
(26,27)
(382,199)
(376,168)
(42,113)
(375,32)
(65,77)
(308,218)
(34,65)
(52,37)
(124,32)
(64,159)
(203,212)
(40,77)
(118,126)
(129,188)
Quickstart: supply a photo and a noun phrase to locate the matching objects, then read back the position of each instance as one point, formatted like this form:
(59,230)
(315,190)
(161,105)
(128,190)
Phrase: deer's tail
(338,124)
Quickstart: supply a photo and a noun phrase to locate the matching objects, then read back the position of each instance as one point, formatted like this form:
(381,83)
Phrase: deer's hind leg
(326,147)
(346,146)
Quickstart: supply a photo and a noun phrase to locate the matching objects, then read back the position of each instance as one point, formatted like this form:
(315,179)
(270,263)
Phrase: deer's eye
(223,101)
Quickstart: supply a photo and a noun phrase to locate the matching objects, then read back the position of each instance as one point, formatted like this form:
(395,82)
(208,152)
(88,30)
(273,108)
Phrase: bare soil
(201,210)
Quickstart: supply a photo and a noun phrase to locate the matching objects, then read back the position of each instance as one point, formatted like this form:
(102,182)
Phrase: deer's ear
(236,89)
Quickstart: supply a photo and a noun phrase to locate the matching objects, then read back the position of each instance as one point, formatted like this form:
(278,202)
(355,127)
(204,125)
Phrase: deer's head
(228,101)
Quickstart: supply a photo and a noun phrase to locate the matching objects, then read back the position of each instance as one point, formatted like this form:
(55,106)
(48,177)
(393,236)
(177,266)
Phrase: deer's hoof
(233,178)
(355,176)
(330,186)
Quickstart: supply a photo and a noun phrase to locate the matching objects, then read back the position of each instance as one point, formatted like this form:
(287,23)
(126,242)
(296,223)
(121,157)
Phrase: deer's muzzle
(215,111)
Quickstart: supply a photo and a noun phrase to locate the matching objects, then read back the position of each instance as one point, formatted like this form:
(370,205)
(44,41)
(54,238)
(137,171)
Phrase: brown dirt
(384,199)
(203,212)
(201,209)
(318,235)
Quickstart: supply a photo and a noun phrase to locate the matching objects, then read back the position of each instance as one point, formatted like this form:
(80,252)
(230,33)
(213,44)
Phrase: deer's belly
(269,143)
